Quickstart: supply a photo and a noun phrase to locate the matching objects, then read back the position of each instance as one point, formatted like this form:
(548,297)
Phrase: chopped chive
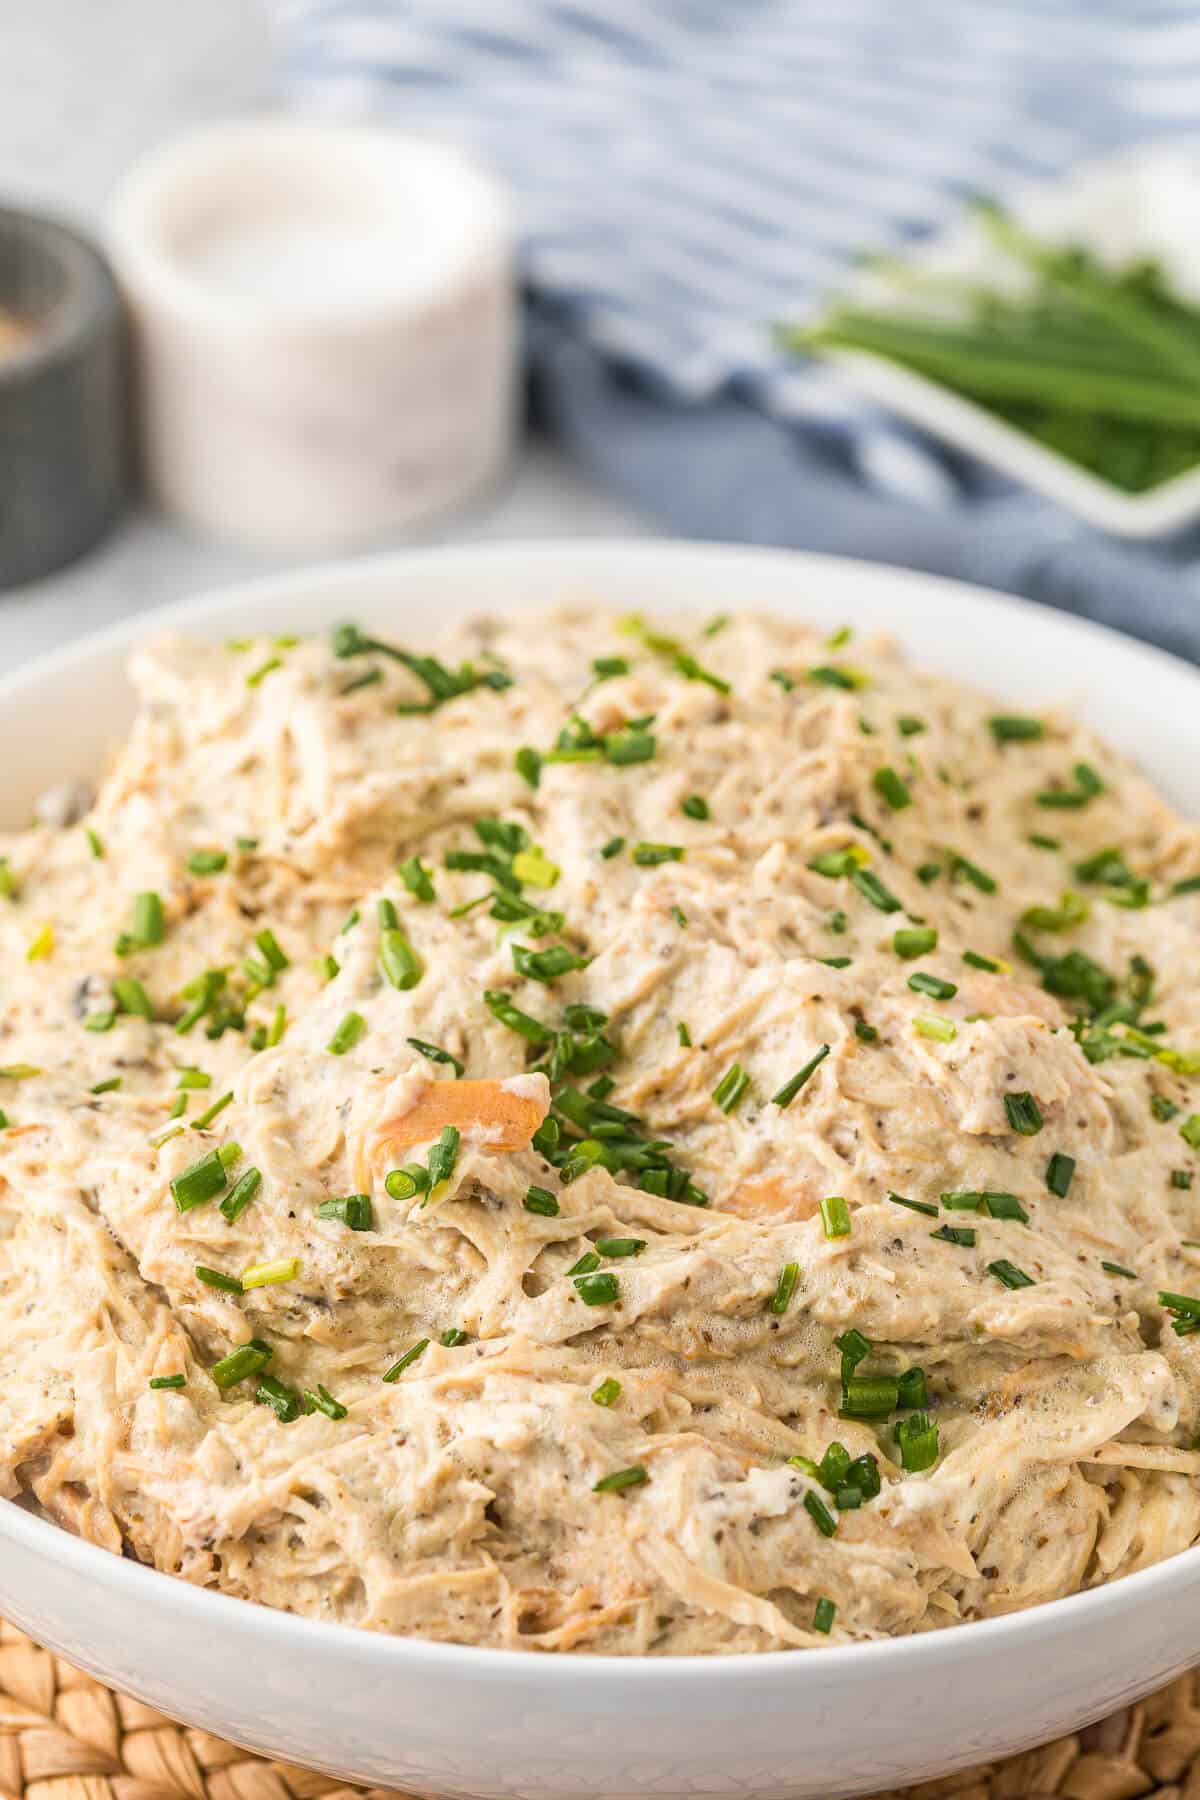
(928,872)
(193,1078)
(257,676)
(436,1054)
(1162,1108)
(605,668)
(131,997)
(282,1401)
(369,678)
(406,1361)
(636,1476)
(540,1200)
(95,843)
(178,1106)
(1116,1268)
(417,879)
(620,1246)
(41,945)
(398,961)
(597,1290)
(213,1278)
(1189,1131)
(1181,1178)
(869,1397)
(891,788)
(731,1089)
(1015,728)
(695,807)
(277,1026)
(213,1112)
(785,1287)
(916,940)
(932,1025)
(528,764)
(1041,842)
(450,1340)
(648,856)
(1008,1274)
(322,1401)
(101,1020)
(270,1274)
(149,920)
(963,1235)
(241,1194)
(245,844)
(19,1071)
(872,889)
(613,848)
(685,1036)
(917,1438)
(833,676)
(203,1181)
(835,1217)
(855,1348)
(917,1206)
(354,1210)
(865,1033)
(403,1183)
(546,965)
(248,1359)
(912,1388)
(969,871)
(168,1381)
(347,1034)
(922,982)
(207,862)
(1024,1114)
(824,1613)
(608,1392)
(820,1514)
(787,1093)
(1059,1173)
(106,1087)
(587,1262)
(996,1205)
(782,679)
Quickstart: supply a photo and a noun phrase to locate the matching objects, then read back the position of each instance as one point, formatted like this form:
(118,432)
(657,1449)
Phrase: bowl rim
(1092,1607)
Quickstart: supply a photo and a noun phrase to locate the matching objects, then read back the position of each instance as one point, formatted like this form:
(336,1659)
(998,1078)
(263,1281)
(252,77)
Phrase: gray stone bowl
(64,453)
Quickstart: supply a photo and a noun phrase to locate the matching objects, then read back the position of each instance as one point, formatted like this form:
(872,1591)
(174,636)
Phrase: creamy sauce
(548,1407)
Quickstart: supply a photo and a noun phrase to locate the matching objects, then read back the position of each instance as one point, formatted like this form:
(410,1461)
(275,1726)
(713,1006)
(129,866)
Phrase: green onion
(540,1200)
(597,1290)
(257,676)
(647,856)
(889,785)
(587,1262)
(207,862)
(246,844)
(685,1036)
(621,1479)
(277,1027)
(995,965)
(604,668)
(194,1078)
(248,1359)
(835,1217)
(785,1287)
(271,950)
(353,1210)
(1040,842)
(241,1194)
(928,872)
(406,1361)
(915,940)
(1162,1108)
(963,1235)
(917,1206)
(270,1274)
(213,1278)
(731,1089)
(1185,1310)
(1024,1114)
(95,844)
(1059,1173)
(149,922)
(1015,728)
(1072,910)
(106,1087)
(19,1071)
(782,679)
(608,1392)
(417,879)
(204,1180)
(921,982)
(443,1157)
(1116,1268)
(869,1397)
(620,1246)
(168,1381)
(830,675)
(398,961)
(1181,1178)
(1087,785)
(932,1025)
(872,889)
(451,1339)
(787,1093)
(1008,1274)
(908,725)
(865,1033)
(969,871)
(613,848)
(913,1390)
(502,1008)
(820,1514)
(100,1021)
(996,1205)
(323,1401)
(694,807)
(347,1034)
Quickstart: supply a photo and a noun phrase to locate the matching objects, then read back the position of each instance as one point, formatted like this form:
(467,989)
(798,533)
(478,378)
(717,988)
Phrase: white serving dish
(1143,201)
(438,1719)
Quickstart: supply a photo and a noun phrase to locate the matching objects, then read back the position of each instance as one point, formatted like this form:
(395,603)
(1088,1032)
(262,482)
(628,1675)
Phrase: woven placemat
(65,1737)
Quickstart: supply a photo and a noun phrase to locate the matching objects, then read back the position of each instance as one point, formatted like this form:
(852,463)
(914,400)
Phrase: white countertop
(88,86)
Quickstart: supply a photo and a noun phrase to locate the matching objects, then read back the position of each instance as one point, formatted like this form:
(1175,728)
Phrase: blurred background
(918,284)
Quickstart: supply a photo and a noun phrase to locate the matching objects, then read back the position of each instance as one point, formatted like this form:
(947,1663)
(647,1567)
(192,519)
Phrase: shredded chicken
(574,1018)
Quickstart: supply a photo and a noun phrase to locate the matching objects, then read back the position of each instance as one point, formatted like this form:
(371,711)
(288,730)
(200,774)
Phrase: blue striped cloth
(689,171)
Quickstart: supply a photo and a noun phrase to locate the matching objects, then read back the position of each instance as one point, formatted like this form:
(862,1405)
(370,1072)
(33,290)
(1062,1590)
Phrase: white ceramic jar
(324,328)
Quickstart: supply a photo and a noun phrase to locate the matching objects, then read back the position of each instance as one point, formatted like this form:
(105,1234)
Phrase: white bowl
(1137,202)
(436,1718)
